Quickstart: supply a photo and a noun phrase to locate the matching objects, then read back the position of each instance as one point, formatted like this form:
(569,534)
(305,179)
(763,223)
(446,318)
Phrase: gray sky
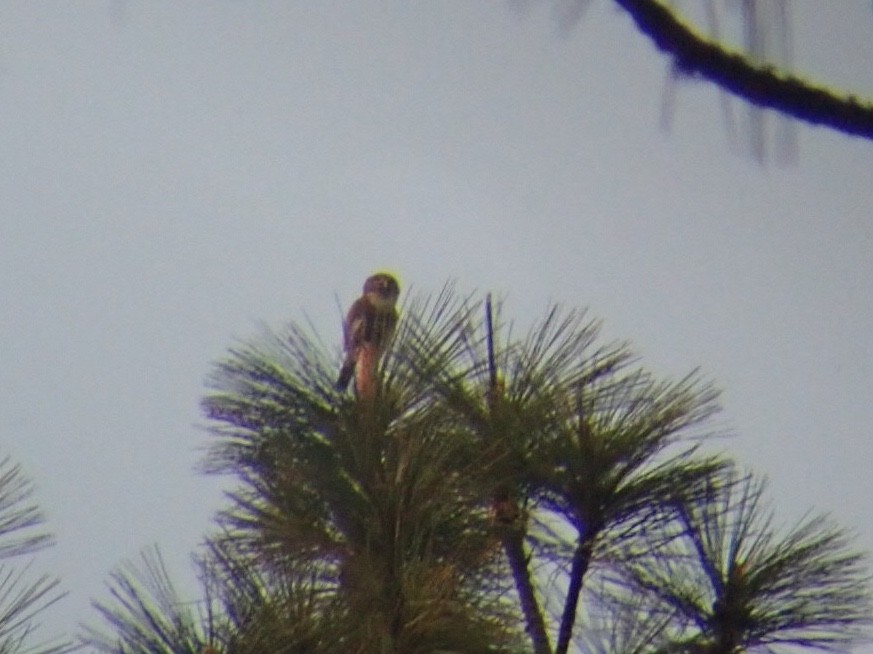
(173,173)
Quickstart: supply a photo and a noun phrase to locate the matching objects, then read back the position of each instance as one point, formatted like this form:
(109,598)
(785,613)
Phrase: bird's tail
(345,375)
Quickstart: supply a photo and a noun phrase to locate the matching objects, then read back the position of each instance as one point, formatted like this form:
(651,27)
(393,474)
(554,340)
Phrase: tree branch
(513,545)
(760,85)
(581,559)
(511,537)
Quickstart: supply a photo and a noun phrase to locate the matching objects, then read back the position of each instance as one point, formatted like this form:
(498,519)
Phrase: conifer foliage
(23,596)
(537,494)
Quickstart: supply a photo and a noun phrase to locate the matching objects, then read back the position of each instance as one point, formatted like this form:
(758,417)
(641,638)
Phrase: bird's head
(382,290)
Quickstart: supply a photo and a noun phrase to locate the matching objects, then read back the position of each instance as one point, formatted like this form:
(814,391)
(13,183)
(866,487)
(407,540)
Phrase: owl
(367,331)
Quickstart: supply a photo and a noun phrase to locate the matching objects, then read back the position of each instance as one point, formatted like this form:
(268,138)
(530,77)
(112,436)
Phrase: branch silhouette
(763,86)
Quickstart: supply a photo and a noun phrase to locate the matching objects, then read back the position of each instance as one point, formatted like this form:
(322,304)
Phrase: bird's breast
(381,304)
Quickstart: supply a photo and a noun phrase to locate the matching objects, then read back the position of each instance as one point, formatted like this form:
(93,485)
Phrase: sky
(174,174)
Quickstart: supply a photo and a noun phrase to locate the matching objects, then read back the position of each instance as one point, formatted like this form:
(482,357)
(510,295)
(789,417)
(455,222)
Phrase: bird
(367,330)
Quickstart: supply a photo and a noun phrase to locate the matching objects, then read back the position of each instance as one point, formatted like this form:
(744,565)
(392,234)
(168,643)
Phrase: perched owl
(367,331)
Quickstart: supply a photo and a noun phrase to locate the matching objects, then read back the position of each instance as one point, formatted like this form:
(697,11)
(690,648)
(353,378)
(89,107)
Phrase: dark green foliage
(148,615)
(382,497)
(497,495)
(731,579)
(22,596)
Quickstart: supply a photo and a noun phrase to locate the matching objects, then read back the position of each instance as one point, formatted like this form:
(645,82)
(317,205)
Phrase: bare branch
(763,86)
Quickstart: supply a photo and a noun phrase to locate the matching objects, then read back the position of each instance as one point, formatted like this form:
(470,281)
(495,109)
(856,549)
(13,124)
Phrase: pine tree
(543,494)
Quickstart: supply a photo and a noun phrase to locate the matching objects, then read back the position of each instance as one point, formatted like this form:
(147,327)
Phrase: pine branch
(760,85)
(17,517)
(147,615)
(512,534)
(21,601)
(513,546)
(731,576)
(578,568)
(22,597)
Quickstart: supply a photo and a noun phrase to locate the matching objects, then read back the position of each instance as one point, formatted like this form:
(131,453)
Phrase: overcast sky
(172,174)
